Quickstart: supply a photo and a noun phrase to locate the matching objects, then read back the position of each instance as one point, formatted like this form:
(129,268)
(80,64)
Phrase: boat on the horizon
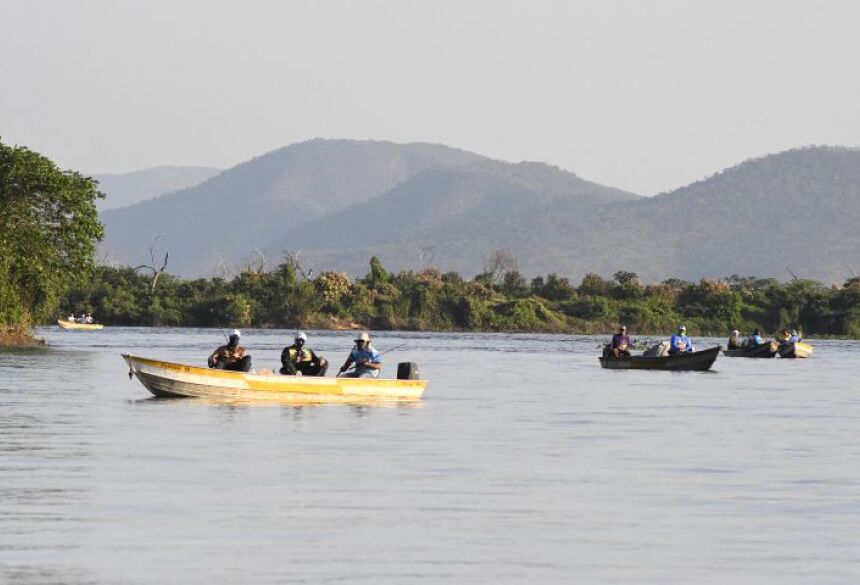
(174,380)
(689,361)
(767,349)
(797,349)
(72,325)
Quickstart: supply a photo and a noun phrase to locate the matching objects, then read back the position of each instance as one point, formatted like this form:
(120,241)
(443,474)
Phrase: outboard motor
(407,371)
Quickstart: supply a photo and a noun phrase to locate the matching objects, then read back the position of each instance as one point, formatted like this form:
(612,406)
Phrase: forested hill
(339,202)
(124,189)
(221,221)
(795,211)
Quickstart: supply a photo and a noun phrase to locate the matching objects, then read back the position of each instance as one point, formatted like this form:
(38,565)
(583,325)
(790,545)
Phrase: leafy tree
(48,231)
(378,275)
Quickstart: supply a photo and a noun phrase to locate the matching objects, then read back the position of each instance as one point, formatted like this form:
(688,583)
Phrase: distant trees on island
(495,300)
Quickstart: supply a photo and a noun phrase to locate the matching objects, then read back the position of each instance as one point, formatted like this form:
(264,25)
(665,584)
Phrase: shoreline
(16,337)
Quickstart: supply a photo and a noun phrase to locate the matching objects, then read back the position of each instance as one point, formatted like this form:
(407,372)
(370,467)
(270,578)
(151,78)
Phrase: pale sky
(642,95)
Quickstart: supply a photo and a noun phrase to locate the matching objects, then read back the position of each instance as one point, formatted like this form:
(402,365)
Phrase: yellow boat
(79,326)
(168,379)
(798,349)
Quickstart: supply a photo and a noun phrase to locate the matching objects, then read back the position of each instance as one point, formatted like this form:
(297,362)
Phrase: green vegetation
(48,230)
(431,300)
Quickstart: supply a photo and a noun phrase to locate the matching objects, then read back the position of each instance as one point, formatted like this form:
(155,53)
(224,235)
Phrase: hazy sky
(646,96)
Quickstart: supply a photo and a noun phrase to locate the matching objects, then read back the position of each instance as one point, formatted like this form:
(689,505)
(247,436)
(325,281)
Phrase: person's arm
(213,359)
(347,363)
(375,361)
(690,345)
(285,357)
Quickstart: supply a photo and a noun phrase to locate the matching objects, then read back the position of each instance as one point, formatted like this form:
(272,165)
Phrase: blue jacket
(371,356)
(678,338)
(756,340)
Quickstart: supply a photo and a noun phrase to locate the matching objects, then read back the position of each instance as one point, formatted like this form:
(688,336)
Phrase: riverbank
(19,337)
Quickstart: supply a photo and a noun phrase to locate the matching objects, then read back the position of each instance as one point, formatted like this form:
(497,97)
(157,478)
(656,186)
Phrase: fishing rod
(387,351)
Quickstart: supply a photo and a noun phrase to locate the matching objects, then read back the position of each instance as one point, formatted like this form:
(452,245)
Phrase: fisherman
(755,339)
(620,343)
(367,360)
(298,358)
(735,341)
(789,338)
(231,356)
(680,343)
(89,319)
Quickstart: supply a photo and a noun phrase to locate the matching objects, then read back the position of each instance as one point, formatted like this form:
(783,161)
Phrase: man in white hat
(231,356)
(367,360)
(298,358)
(735,341)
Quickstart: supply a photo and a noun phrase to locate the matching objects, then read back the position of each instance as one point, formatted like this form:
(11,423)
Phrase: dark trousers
(307,369)
(243,365)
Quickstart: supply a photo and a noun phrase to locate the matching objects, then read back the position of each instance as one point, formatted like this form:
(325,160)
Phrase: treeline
(493,301)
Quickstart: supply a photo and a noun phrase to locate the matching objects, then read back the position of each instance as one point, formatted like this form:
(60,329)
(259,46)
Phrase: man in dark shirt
(231,356)
(298,358)
(621,343)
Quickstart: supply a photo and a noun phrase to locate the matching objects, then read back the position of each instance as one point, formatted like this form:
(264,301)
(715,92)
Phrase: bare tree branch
(156,272)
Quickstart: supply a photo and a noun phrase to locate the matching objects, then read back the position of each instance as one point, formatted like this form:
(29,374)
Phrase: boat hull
(172,380)
(693,361)
(765,350)
(79,326)
(797,349)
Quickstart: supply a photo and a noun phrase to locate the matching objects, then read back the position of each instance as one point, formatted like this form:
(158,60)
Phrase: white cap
(363,337)
(682,328)
(735,332)
(301,335)
(236,332)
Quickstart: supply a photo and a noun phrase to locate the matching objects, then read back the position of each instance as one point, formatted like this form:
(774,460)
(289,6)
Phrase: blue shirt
(756,339)
(359,355)
(678,338)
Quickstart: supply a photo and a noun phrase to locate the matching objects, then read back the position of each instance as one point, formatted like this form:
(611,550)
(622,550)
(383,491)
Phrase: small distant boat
(168,379)
(768,349)
(692,361)
(798,349)
(79,326)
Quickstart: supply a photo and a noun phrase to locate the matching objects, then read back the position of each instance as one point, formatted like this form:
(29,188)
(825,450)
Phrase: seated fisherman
(620,343)
(680,343)
(788,338)
(755,339)
(367,360)
(231,356)
(298,358)
(735,341)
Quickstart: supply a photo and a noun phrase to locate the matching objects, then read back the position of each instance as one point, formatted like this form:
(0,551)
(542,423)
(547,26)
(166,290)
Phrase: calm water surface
(525,463)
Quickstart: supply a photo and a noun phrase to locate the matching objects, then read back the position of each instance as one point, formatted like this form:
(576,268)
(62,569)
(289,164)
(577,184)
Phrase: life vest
(306,355)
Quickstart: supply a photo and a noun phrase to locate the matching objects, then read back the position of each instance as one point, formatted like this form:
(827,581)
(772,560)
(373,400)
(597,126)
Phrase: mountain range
(123,189)
(338,202)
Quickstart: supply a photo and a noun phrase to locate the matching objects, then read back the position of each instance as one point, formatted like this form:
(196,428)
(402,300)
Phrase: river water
(525,463)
